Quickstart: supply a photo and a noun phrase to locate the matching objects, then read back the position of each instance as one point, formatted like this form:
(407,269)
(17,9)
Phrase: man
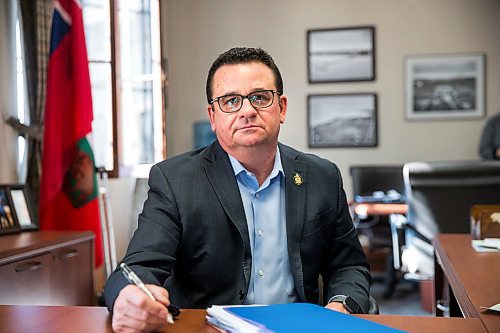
(245,220)
(489,147)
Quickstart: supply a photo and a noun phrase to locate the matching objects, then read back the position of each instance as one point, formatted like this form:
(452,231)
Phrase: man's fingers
(134,311)
(160,293)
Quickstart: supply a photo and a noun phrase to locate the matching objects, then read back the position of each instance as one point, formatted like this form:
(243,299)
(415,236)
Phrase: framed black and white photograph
(23,207)
(8,221)
(342,120)
(447,86)
(341,54)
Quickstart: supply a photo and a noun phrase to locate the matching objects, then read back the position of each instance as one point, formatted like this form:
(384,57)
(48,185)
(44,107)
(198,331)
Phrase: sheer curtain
(35,21)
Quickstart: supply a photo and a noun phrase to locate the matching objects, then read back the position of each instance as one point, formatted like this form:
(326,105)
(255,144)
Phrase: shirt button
(261,272)
(259,232)
(257,195)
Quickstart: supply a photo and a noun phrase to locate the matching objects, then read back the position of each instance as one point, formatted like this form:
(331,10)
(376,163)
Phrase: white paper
(226,321)
(495,307)
(486,245)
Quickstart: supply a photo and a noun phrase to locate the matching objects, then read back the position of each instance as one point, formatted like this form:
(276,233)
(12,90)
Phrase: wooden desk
(45,319)
(364,209)
(467,279)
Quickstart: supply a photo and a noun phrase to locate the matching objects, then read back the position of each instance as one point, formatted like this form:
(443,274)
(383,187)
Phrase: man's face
(248,127)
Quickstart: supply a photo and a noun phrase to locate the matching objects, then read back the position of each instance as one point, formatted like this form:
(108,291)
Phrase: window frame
(118,169)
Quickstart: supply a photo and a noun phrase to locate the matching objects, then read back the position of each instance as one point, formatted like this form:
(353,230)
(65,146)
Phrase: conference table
(85,319)
(376,208)
(466,280)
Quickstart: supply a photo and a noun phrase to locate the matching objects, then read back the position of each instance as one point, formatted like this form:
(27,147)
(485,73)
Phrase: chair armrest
(398,224)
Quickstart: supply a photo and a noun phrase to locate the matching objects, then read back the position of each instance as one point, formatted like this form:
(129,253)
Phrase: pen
(133,278)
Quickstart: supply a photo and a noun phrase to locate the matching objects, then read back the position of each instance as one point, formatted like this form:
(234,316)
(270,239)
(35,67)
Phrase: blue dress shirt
(271,279)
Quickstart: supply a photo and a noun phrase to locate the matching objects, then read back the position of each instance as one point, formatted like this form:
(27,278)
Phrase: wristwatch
(349,303)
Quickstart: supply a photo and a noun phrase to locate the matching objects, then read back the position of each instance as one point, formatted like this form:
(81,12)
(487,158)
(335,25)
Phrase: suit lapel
(221,176)
(295,196)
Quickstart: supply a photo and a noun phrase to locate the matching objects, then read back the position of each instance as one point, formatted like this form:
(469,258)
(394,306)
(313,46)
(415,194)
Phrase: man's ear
(283,104)
(211,116)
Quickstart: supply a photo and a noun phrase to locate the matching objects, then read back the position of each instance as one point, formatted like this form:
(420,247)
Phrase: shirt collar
(277,168)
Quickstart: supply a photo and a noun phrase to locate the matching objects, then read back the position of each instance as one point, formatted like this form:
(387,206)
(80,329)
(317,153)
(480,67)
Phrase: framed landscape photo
(342,120)
(446,86)
(23,207)
(341,54)
(8,221)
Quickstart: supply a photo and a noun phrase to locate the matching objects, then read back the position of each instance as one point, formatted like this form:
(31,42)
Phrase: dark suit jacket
(192,236)
(490,138)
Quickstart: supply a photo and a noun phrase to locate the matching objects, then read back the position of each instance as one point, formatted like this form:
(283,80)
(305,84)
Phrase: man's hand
(336,306)
(135,312)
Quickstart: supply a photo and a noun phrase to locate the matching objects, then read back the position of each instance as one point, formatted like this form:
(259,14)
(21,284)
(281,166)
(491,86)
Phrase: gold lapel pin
(297,179)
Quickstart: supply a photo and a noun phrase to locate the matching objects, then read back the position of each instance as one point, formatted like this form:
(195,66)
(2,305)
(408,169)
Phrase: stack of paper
(224,320)
(289,318)
(486,245)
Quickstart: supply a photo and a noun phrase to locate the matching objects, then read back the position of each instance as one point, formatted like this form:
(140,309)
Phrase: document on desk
(495,308)
(486,245)
(289,318)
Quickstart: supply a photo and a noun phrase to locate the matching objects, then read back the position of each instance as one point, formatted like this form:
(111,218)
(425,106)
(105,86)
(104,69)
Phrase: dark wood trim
(115,93)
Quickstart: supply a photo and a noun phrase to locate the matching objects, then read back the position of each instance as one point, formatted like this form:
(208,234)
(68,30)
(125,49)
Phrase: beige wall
(195,32)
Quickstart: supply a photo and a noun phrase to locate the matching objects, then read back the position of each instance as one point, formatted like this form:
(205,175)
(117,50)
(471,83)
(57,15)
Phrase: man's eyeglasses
(232,103)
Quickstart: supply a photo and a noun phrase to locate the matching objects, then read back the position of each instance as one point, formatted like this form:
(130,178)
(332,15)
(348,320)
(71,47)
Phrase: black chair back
(367,179)
(439,197)
(440,194)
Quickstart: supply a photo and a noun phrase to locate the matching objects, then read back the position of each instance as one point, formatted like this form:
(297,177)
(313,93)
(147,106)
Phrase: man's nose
(247,108)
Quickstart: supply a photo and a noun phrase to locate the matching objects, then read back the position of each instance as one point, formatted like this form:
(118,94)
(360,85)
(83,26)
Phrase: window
(123,46)
(22,112)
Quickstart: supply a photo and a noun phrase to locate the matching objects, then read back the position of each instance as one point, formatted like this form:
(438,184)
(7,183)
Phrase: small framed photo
(23,207)
(8,220)
(341,54)
(446,86)
(342,120)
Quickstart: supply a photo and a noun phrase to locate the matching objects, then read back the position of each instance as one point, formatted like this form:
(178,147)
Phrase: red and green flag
(68,194)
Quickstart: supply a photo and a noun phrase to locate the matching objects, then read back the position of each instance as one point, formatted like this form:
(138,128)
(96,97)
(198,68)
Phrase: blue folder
(306,317)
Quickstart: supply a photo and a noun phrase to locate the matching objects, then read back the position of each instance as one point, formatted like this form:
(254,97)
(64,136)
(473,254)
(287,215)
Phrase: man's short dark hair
(243,55)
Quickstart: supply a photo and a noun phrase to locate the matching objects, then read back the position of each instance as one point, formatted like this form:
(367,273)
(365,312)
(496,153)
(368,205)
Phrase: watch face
(351,305)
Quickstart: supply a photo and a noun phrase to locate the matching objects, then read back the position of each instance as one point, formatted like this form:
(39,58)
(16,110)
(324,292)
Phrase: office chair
(439,197)
(367,180)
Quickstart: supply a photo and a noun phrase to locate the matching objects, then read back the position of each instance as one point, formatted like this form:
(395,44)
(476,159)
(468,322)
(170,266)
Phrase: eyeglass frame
(213,100)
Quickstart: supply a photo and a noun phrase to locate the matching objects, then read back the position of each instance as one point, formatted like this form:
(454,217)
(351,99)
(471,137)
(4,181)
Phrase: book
(289,318)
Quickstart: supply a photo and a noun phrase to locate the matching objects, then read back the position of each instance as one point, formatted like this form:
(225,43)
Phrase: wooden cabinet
(47,268)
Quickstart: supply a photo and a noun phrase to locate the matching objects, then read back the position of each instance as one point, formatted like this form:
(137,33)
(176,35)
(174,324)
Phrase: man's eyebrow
(233,92)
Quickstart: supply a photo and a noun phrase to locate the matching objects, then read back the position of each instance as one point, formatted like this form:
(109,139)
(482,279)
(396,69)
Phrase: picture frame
(8,219)
(445,86)
(341,54)
(22,203)
(342,120)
